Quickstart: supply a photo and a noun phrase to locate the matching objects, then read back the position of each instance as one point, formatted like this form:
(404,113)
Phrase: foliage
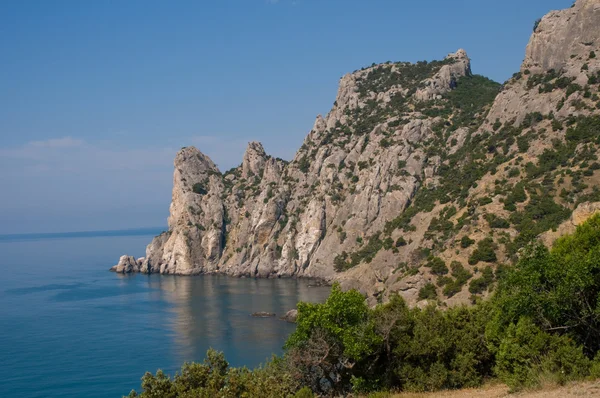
(558,289)
(428,292)
(496,222)
(485,251)
(465,242)
(304,164)
(437,265)
(482,283)
(199,189)
(587,128)
(381,78)
(345,261)
(540,214)
(214,378)
(527,355)
(441,349)
(461,276)
(333,340)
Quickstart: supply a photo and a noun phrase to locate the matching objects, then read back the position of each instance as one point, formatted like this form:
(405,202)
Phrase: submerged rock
(263,314)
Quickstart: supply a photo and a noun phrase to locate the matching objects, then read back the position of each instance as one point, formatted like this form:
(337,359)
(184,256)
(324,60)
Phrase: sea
(71,328)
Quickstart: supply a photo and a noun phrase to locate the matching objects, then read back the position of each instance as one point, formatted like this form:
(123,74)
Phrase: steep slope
(418,176)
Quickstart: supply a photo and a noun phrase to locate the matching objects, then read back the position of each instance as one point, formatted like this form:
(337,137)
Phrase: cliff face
(420,180)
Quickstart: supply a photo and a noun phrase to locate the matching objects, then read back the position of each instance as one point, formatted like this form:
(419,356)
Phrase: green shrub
(214,378)
(304,164)
(496,222)
(486,251)
(465,242)
(304,392)
(441,349)
(199,189)
(482,283)
(558,288)
(461,276)
(527,354)
(437,265)
(428,292)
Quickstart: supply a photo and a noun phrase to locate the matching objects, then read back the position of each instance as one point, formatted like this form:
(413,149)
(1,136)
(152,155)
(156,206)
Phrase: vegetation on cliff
(541,323)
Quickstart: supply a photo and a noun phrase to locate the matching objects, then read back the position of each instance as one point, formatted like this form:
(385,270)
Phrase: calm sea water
(70,328)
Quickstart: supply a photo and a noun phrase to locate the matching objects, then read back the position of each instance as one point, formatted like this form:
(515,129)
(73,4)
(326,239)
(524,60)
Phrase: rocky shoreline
(129,265)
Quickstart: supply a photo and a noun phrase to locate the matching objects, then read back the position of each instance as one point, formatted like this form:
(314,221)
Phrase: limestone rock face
(126,265)
(194,242)
(566,42)
(254,160)
(445,80)
(399,171)
(563,36)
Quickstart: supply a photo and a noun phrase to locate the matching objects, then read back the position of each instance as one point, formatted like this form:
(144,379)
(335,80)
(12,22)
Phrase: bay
(71,328)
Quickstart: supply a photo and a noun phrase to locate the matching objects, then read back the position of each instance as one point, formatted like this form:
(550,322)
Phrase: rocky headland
(423,179)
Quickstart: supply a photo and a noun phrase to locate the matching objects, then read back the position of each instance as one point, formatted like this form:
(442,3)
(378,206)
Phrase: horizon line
(84,234)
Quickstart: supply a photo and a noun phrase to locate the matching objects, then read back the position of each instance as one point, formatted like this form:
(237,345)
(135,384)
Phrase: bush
(214,378)
(428,292)
(496,222)
(527,354)
(304,164)
(556,289)
(199,189)
(465,242)
(401,242)
(437,265)
(486,251)
(481,284)
(304,392)
(441,350)
(461,276)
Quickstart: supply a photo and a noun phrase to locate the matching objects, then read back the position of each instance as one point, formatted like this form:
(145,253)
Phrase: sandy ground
(582,389)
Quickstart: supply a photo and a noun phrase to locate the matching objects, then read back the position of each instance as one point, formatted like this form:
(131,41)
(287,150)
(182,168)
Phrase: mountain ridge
(423,179)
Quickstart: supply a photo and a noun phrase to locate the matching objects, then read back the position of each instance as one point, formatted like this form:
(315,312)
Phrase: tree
(559,290)
(332,340)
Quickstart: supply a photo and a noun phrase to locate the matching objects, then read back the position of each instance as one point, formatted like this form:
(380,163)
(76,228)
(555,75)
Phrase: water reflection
(214,311)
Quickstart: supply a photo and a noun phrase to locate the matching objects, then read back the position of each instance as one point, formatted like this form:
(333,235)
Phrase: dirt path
(586,389)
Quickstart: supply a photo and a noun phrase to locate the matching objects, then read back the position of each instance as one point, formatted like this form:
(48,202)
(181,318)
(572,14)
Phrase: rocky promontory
(423,180)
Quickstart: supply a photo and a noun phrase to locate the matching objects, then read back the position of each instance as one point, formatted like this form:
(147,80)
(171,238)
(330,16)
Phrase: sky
(96,97)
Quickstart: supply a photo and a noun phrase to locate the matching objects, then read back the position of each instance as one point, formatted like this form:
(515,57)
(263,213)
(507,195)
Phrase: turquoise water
(70,328)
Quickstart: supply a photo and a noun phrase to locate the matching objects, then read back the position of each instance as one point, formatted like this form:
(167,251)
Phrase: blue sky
(96,97)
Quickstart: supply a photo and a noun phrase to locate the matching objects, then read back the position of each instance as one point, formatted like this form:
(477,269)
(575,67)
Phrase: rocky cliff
(423,179)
